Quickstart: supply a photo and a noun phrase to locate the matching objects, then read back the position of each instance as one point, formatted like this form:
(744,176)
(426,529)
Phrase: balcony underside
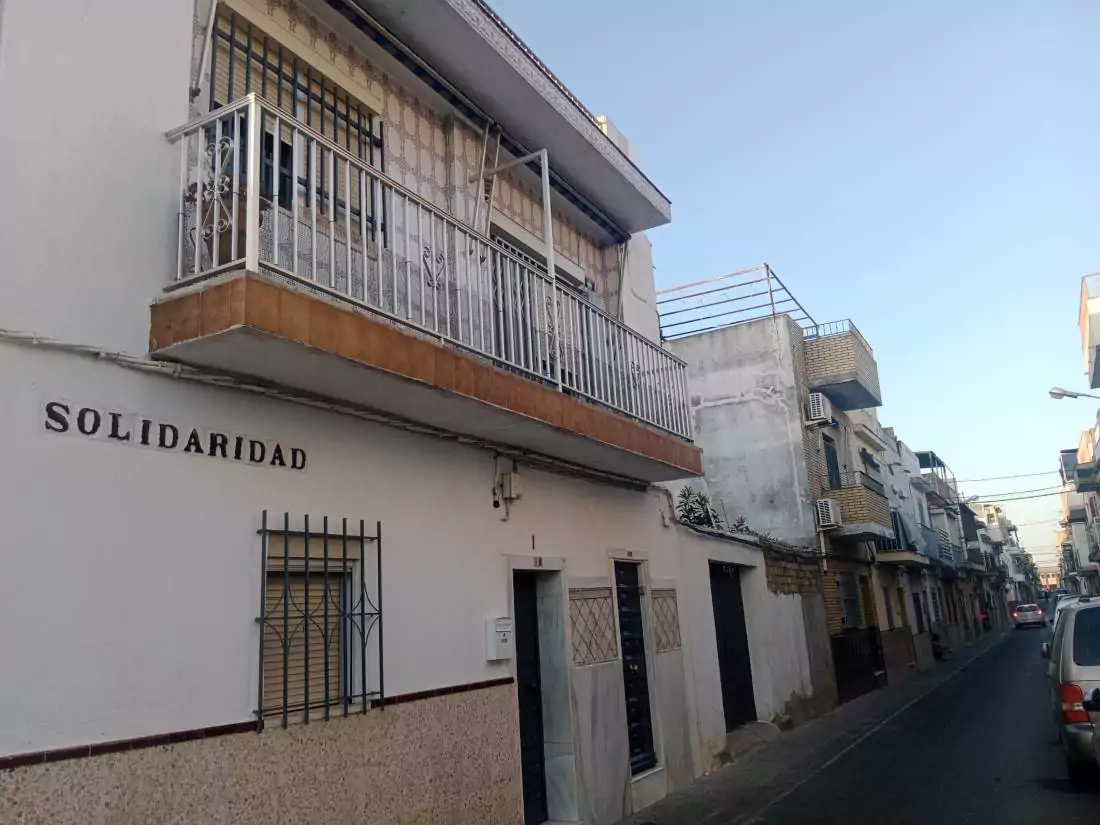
(245,324)
(905,558)
(863,530)
(466,45)
(847,392)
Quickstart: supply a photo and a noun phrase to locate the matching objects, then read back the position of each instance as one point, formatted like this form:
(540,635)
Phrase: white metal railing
(261,190)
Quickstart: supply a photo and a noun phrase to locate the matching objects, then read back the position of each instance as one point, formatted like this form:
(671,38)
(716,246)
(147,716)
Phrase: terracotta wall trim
(119,745)
(247,300)
(20,760)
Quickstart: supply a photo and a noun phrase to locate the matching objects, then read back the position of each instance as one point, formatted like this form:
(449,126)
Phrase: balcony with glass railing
(300,263)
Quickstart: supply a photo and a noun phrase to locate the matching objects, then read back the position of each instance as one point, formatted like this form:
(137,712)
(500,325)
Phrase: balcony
(840,363)
(332,279)
(941,491)
(864,508)
(945,546)
(1089,323)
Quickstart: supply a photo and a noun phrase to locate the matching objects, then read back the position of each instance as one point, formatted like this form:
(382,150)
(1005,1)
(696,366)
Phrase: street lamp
(1057,393)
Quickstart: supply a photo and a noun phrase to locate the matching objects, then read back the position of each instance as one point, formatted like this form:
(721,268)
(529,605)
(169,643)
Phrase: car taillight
(1015,615)
(1040,612)
(1073,710)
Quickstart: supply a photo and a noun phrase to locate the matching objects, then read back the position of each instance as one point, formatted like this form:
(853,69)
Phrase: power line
(1002,478)
(996,500)
(1037,523)
(1057,487)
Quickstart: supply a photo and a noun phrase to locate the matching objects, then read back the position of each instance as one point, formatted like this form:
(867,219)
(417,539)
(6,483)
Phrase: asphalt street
(981,748)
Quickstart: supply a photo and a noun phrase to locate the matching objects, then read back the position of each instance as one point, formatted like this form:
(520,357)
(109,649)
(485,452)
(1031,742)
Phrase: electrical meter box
(498,639)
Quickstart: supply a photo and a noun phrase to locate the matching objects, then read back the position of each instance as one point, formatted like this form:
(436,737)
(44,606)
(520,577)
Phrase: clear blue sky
(928,169)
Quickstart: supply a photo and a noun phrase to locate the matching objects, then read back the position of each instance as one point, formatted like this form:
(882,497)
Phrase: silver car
(1074,675)
(1028,615)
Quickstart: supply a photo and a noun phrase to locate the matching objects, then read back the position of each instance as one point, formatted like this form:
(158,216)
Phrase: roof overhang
(466,43)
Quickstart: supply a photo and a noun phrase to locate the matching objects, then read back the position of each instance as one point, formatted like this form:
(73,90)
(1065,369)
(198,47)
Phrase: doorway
(734,666)
(529,695)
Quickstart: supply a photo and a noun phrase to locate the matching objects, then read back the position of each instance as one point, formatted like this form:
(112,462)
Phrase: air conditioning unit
(828,513)
(821,410)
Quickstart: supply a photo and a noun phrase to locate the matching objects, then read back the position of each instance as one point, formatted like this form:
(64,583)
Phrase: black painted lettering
(145,425)
(194,443)
(218,443)
(238,448)
(88,421)
(116,429)
(57,417)
(277,459)
(297,459)
(256,451)
(163,440)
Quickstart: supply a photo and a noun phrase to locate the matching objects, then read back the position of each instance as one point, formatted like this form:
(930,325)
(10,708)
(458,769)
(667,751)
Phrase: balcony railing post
(252,186)
(551,267)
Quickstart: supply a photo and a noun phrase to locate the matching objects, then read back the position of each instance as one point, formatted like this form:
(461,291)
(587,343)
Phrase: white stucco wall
(90,239)
(777,639)
(747,418)
(139,570)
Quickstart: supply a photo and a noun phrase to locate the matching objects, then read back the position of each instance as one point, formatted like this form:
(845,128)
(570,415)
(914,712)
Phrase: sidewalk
(739,791)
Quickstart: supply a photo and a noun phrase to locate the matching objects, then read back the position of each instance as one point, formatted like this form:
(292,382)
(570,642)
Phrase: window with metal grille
(321,621)
(538,262)
(245,59)
(849,599)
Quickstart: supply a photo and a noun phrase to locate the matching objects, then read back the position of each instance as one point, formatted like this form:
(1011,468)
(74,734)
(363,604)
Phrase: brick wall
(793,574)
(834,610)
(844,354)
(829,356)
(858,505)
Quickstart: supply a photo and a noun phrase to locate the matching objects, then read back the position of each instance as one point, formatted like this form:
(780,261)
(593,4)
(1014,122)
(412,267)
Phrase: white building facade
(311,422)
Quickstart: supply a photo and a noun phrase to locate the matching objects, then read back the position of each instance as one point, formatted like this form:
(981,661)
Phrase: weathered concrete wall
(747,414)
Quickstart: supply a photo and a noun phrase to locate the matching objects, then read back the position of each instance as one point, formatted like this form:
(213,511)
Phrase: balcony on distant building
(864,507)
(1089,324)
(841,364)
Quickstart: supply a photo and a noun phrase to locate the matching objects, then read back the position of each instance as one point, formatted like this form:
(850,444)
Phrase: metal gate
(858,662)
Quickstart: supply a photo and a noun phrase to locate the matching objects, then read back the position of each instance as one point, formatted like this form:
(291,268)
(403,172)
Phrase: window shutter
(302,613)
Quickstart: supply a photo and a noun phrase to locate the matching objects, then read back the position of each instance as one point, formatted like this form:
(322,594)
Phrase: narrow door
(529,690)
(639,717)
(734,667)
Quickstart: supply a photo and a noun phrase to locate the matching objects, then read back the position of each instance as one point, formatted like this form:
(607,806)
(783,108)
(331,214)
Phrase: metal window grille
(244,60)
(321,641)
(592,615)
(666,620)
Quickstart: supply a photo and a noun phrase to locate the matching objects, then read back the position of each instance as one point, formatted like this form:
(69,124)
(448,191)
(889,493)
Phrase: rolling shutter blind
(288,598)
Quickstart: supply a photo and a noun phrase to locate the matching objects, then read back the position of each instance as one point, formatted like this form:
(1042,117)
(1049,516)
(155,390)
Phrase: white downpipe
(207,42)
(551,268)
(252,193)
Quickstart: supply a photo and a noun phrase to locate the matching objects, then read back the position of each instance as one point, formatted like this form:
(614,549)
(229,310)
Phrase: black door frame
(529,695)
(630,610)
(732,641)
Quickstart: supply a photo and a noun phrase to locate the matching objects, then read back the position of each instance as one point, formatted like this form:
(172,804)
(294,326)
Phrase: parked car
(1028,615)
(1074,678)
(1058,609)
